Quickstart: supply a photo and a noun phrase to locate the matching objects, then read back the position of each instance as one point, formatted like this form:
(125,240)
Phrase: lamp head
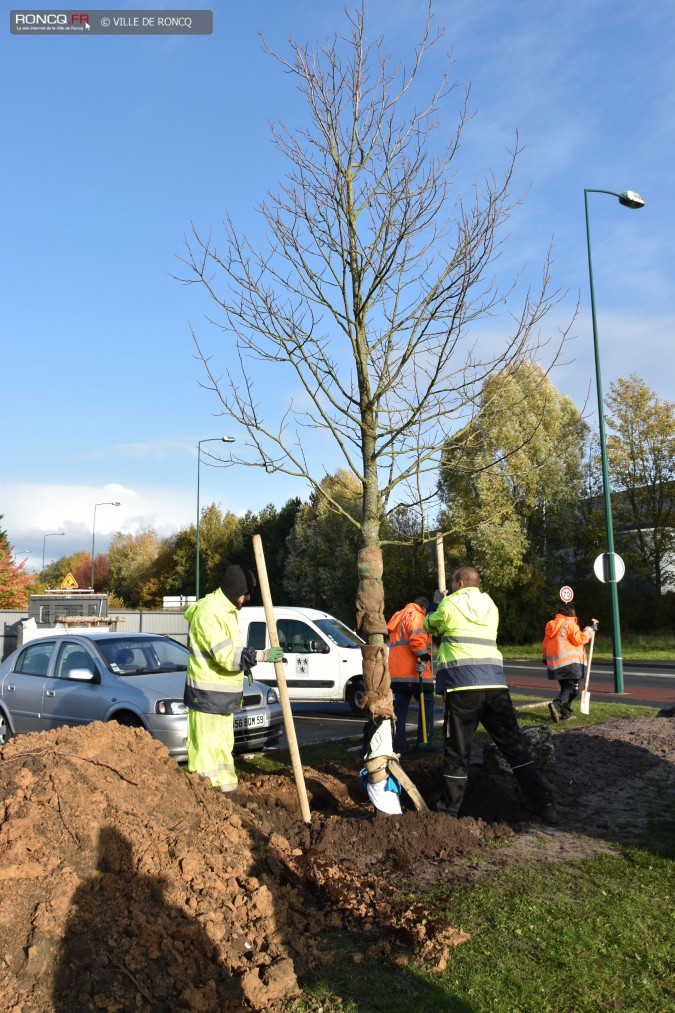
(228,439)
(630,199)
(116,503)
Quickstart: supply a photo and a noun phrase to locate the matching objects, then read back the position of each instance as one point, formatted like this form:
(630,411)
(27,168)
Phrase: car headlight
(170,707)
(272,696)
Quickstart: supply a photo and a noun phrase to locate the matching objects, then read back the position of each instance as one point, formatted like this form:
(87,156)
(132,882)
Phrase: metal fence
(170,624)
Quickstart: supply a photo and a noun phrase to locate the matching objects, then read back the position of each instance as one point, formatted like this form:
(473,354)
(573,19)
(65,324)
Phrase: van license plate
(251,721)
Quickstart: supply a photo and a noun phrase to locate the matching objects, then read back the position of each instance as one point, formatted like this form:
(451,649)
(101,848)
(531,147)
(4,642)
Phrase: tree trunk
(370,620)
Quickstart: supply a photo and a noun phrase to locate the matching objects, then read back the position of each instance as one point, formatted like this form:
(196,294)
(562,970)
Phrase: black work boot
(548,813)
(443,807)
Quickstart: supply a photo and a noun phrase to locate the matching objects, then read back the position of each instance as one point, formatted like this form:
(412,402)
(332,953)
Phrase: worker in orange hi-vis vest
(410,669)
(565,658)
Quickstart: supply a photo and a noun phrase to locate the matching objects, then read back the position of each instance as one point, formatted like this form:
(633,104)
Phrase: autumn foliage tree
(14,581)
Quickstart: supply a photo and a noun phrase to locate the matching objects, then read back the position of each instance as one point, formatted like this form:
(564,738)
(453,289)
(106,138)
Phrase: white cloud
(31,511)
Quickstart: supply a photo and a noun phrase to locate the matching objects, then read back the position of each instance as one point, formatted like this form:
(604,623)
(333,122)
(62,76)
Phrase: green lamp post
(44,544)
(628,199)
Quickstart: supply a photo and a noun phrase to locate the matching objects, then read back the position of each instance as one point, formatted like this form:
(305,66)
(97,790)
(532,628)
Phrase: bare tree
(374,271)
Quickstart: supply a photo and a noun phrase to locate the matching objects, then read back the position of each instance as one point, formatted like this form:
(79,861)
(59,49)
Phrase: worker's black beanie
(237,580)
(422,602)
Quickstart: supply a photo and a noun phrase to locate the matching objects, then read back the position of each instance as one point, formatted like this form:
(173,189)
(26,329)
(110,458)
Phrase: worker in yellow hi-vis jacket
(214,682)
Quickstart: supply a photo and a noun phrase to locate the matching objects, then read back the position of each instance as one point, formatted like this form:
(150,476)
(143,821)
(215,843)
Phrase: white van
(323,656)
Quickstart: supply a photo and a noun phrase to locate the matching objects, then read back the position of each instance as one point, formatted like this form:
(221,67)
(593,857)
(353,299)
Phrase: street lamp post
(44,542)
(93,535)
(209,439)
(628,199)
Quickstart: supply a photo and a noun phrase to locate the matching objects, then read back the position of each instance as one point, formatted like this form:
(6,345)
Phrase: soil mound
(132,885)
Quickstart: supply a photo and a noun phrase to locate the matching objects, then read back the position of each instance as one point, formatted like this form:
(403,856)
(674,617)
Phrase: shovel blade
(585,704)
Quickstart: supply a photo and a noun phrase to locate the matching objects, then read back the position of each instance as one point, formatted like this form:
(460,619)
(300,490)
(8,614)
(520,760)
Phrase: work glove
(424,658)
(590,630)
(275,654)
(248,658)
(544,661)
(439,596)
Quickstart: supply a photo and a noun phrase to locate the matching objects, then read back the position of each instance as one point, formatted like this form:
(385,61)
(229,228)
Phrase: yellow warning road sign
(69,582)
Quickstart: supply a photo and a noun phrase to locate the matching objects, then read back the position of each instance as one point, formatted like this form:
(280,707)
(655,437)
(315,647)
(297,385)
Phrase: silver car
(136,679)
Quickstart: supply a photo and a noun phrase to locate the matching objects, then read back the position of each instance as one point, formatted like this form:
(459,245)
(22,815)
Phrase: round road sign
(566,593)
(601,567)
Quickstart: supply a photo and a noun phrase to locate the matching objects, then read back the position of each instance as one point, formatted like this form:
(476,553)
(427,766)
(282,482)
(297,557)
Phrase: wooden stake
(440,562)
(289,726)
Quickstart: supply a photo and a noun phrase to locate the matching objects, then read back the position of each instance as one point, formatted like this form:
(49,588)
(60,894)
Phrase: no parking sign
(566,593)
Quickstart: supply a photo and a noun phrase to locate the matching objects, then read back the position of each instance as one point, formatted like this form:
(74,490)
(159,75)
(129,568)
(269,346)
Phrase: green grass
(635,648)
(532,710)
(600,712)
(574,937)
(567,938)
(270,763)
(252,763)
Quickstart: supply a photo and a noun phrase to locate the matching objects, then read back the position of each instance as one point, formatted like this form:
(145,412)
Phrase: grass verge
(534,712)
(634,648)
(573,937)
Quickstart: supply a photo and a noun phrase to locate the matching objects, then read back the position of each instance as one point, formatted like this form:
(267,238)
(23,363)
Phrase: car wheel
(128,720)
(5,730)
(355,694)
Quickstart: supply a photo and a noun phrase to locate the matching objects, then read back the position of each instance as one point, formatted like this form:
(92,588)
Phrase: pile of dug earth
(129,884)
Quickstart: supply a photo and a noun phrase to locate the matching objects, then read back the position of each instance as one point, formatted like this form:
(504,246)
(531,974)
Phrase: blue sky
(113,146)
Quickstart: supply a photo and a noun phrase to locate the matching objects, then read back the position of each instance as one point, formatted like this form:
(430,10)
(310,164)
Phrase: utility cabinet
(48,609)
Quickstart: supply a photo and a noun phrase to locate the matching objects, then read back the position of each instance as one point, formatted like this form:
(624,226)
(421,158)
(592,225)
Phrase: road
(651,684)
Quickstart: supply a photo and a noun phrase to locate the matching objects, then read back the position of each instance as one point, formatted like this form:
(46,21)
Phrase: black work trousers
(493,708)
(569,691)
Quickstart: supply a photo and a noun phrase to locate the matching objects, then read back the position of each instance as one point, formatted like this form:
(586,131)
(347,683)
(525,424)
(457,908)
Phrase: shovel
(585,703)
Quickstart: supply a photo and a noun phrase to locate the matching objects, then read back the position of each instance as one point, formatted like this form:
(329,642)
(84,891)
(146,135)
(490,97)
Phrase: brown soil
(131,885)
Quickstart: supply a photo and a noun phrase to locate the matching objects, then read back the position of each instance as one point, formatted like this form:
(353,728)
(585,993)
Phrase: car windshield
(140,655)
(337,633)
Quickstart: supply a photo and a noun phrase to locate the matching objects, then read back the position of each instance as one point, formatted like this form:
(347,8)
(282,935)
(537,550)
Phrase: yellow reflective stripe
(471,662)
(228,767)
(196,653)
(469,639)
(216,648)
(461,689)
